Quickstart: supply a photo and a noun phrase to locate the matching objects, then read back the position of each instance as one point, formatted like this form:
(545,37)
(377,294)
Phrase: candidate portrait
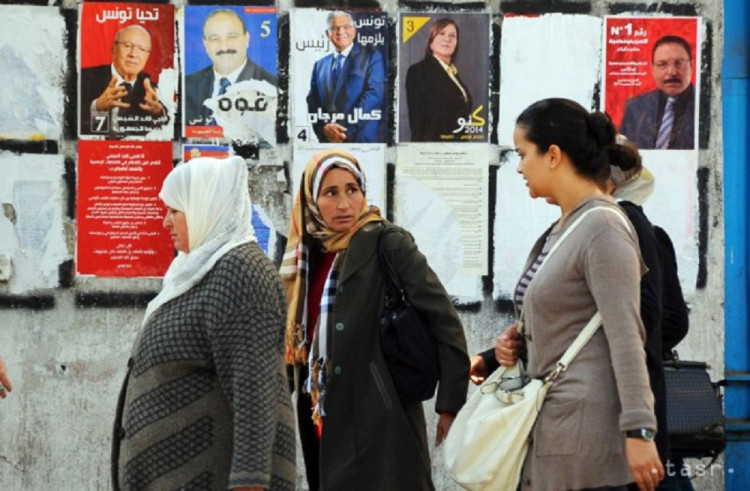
(664,118)
(346,102)
(120,99)
(226,41)
(435,93)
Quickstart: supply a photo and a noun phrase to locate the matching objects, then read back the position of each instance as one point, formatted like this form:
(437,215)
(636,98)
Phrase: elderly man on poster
(346,102)
(120,99)
(664,118)
(226,40)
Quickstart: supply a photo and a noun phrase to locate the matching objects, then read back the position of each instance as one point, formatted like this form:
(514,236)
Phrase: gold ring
(654,470)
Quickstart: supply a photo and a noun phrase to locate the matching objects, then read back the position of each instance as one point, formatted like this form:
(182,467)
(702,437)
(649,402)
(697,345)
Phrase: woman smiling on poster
(438,99)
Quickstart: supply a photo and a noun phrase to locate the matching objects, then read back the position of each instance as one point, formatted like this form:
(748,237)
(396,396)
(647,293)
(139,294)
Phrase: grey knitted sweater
(206,404)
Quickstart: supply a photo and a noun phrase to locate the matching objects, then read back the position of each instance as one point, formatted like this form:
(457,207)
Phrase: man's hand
(478,371)
(335,133)
(151,102)
(111,97)
(508,346)
(444,424)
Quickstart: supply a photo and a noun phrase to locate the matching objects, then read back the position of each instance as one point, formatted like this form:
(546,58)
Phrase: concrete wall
(66,347)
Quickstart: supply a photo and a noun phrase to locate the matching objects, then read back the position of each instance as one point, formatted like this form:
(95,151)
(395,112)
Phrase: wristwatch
(643,433)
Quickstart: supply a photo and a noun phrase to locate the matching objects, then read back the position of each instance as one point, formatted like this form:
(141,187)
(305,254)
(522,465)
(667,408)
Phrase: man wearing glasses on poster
(664,118)
(346,101)
(120,99)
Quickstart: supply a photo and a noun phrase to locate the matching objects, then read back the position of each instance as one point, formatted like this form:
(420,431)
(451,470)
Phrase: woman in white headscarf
(205,403)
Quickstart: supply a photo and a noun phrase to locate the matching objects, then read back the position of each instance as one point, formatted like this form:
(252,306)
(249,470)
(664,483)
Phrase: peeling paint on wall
(31,231)
(32,73)
(553,55)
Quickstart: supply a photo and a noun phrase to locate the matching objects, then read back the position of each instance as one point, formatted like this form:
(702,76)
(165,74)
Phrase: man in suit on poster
(226,40)
(665,117)
(119,99)
(349,86)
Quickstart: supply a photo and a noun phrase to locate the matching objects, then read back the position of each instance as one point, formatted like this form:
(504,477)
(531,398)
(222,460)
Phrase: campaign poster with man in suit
(443,77)
(652,72)
(127,78)
(230,76)
(339,68)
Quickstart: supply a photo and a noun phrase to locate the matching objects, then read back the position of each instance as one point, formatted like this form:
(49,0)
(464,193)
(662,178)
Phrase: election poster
(118,211)
(33,80)
(230,72)
(443,77)
(127,78)
(262,224)
(339,63)
(32,238)
(442,197)
(192,151)
(651,79)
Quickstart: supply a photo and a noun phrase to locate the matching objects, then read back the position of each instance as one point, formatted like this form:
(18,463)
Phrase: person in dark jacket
(356,432)
(663,308)
(436,95)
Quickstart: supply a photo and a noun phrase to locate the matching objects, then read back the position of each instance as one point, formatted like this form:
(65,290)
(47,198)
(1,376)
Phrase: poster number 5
(265,28)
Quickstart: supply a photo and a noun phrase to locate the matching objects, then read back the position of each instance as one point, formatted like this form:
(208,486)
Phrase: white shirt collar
(345,52)
(232,77)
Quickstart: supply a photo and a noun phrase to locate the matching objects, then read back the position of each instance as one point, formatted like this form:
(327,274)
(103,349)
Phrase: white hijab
(213,194)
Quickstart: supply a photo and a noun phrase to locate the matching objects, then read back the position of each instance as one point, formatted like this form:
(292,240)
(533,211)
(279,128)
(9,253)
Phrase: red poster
(119,213)
(633,77)
(127,76)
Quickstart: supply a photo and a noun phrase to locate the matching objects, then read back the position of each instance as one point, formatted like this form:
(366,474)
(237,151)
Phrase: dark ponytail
(585,137)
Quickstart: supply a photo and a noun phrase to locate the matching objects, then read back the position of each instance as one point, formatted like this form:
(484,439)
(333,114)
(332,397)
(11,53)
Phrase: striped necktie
(667,121)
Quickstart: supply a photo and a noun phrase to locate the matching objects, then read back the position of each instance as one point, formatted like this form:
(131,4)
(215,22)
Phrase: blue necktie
(224,84)
(338,64)
(667,121)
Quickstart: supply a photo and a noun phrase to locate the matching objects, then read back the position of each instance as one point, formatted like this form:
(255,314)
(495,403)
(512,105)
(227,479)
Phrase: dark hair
(435,29)
(228,12)
(584,137)
(624,155)
(672,40)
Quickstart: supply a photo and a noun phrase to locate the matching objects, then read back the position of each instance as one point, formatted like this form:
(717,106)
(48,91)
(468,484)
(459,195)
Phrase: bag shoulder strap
(577,221)
(593,325)
(393,287)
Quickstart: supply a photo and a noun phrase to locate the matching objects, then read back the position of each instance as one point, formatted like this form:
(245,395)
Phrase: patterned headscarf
(306,230)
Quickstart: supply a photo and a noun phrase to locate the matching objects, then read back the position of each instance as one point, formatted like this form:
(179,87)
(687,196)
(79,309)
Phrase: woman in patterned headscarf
(355,432)
(205,403)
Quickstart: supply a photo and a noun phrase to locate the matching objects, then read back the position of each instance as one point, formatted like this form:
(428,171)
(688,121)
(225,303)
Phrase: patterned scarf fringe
(296,341)
(315,385)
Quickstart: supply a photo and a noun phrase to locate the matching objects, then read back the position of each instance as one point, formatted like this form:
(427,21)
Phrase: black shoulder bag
(695,420)
(408,345)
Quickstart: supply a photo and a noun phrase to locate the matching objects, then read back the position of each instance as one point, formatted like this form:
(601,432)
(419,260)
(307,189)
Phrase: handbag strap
(593,325)
(393,287)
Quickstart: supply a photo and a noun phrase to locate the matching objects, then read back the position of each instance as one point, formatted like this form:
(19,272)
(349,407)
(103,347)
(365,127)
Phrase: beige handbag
(487,443)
